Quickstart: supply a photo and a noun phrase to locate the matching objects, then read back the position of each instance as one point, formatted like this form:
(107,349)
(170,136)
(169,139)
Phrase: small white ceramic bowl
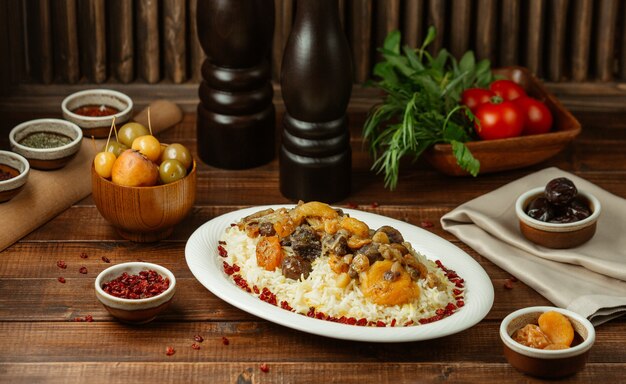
(134,311)
(11,187)
(557,235)
(97,126)
(546,363)
(47,158)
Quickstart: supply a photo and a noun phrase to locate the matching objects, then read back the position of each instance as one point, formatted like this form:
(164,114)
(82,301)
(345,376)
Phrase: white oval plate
(206,266)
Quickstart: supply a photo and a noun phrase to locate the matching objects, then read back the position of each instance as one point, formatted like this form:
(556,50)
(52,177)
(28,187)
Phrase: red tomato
(507,89)
(499,121)
(473,97)
(537,117)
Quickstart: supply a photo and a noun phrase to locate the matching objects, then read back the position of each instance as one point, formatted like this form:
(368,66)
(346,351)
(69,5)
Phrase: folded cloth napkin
(589,279)
(48,193)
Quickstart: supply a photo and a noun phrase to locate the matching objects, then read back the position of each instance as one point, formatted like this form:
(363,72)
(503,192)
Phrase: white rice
(319,289)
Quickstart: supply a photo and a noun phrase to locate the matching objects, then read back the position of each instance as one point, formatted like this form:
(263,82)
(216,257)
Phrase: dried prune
(540,209)
(560,191)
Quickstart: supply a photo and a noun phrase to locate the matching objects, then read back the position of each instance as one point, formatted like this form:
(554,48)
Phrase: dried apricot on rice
(355,226)
(531,336)
(315,209)
(378,289)
(269,253)
(557,327)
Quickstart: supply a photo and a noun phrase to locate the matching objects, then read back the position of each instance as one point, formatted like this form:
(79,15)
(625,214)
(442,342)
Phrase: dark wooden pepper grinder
(316,82)
(236,117)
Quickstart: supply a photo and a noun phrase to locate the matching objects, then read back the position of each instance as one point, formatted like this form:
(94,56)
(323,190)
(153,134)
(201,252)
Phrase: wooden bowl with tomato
(501,154)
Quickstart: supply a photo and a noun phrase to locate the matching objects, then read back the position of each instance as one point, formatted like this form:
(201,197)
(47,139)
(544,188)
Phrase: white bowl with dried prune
(558,215)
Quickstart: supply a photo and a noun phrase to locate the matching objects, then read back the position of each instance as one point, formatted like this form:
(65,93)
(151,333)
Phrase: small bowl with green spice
(46,143)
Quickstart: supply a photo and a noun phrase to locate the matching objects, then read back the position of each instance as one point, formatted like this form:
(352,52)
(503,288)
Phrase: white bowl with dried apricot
(141,186)
(547,342)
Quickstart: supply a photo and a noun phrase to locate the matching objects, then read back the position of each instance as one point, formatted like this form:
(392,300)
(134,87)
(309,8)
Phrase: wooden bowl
(47,158)
(11,187)
(97,126)
(134,311)
(516,152)
(144,214)
(546,363)
(557,235)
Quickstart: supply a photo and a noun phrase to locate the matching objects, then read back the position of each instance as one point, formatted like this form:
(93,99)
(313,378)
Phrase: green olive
(115,148)
(130,131)
(171,170)
(177,152)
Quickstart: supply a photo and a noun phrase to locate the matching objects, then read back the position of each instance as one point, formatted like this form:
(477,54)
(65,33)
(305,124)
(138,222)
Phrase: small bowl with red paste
(135,292)
(94,109)
(14,171)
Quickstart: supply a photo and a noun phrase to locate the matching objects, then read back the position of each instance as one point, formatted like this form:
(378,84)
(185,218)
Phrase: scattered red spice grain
(375,205)
(170,351)
(195,346)
(106,259)
(514,279)
(61,280)
(198,338)
(83,255)
(352,205)
(225,340)
(145,284)
(87,318)
(508,284)
(264,368)
(427,224)
(83,270)
(61,264)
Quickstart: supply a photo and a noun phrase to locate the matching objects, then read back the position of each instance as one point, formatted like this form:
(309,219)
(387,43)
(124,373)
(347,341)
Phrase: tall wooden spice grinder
(316,82)
(236,117)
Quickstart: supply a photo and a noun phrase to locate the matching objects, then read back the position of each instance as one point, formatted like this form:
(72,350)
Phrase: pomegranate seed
(195,346)
(460,303)
(61,280)
(83,270)
(225,340)
(106,259)
(426,224)
(198,338)
(508,284)
(89,319)
(83,255)
(221,242)
(514,279)
(393,322)
(375,205)
(61,264)
(264,368)
(352,205)
(222,251)
(170,351)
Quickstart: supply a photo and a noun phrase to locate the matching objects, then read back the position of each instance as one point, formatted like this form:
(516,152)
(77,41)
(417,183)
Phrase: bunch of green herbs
(421,107)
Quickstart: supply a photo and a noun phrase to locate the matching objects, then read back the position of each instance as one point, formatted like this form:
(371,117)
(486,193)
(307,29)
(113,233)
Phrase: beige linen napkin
(48,193)
(589,279)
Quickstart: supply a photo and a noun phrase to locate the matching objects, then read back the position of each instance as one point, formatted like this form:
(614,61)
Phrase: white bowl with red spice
(135,292)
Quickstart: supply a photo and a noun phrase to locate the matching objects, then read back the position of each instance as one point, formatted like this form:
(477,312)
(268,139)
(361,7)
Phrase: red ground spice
(195,346)
(264,368)
(61,264)
(225,340)
(106,259)
(83,270)
(61,280)
(508,284)
(352,205)
(427,224)
(514,279)
(169,351)
(375,205)
(83,255)
(198,338)
(143,285)
(87,318)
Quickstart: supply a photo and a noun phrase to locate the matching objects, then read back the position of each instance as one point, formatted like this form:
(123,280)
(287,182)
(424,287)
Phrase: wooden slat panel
(175,39)
(39,40)
(286,372)
(360,38)
(148,46)
(622,65)
(605,38)
(65,31)
(460,27)
(581,39)
(283,21)
(437,18)
(486,30)
(196,53)
(413,22)
(4,50)
(535,35)
(121,33)
(92,32)
(388,14)
(509,32)
(342,12)
(556,50)
(17,42)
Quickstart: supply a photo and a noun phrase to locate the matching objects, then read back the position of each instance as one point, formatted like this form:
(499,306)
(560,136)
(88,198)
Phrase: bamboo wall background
(154,41)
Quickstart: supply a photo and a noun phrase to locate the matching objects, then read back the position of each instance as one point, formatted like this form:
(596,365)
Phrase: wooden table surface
(41,342)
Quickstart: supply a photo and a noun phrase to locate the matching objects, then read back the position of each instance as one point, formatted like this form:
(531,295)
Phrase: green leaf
(414,61)
(468,62)
(430,37)
(464,158)
(392,42)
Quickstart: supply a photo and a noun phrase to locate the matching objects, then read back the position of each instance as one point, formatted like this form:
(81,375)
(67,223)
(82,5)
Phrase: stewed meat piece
(393,234)
(266,229)
(336,244)
(305,243)
(294,266)
(371,251)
